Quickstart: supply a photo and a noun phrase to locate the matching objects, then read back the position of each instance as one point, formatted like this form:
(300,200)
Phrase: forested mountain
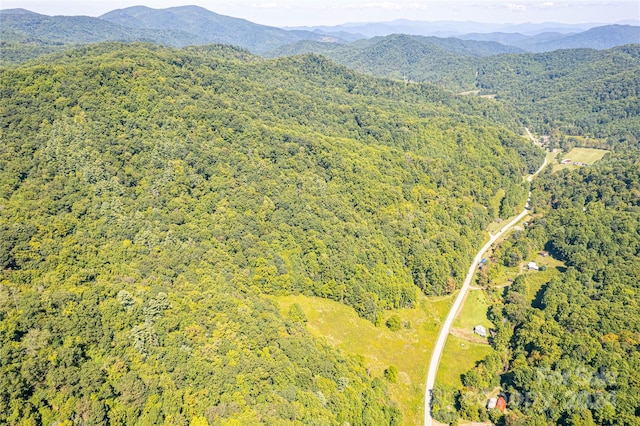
(576,92)
(150,196)
(602,37)
(25,35)
(212,27)
(20,24)
(449,62)
(422,45)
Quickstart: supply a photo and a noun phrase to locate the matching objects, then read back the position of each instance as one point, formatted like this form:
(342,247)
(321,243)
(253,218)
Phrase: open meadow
(409,349)
(585,156)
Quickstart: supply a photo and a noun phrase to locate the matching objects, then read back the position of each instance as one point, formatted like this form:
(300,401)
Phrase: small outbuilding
(491,404)
(532,266)
(501,404)
(543,253)
(480,330)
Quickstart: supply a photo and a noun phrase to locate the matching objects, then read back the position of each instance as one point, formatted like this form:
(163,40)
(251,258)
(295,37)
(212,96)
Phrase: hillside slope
(446,61)
(212,27)
(576,91)
(571,92)
(150,196)
(83,29)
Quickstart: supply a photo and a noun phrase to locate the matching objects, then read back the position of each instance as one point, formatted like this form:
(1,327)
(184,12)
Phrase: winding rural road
(446,327)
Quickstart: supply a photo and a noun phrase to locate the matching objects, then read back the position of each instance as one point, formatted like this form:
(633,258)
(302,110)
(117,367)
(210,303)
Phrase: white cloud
(517,7)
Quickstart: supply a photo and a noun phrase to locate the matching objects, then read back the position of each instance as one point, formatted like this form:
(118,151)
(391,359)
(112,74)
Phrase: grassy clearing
(474,311)
(536,279)
(408,349)
(458,357)
(582,155)
(463,348)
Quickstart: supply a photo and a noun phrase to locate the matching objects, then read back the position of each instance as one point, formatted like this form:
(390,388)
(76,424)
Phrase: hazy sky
(332,12)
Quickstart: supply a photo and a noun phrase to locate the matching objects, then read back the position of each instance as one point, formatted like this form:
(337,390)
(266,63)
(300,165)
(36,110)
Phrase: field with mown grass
(474,311)
(581,155)
(459,356)
(536,279)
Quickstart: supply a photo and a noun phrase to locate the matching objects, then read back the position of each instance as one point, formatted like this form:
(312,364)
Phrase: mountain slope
(446,61)
(151,196)
(85,29)
(209,26)
(577,91)
(574,91)
(603,37)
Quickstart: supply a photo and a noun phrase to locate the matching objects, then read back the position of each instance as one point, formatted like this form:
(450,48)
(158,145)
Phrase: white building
(492,403)
(480,331)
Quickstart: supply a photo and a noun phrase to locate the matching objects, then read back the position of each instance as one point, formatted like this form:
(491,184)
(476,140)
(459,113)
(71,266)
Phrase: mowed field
(581,155)
(458,357)
(409,349)
(464,348)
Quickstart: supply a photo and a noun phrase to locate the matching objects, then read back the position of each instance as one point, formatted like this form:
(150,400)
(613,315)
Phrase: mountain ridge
(211,26)
(194,25)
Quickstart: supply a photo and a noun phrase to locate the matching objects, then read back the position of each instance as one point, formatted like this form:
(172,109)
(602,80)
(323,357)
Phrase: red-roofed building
(501,404)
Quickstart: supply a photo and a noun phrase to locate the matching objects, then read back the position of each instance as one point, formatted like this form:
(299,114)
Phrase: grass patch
(459,356)
(536,279)
(464,348)
(409,349)
(581,155)
(474,311)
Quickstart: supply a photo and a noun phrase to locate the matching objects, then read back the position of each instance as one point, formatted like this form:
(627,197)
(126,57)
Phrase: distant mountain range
(25,34)
(454,28)
(176,26)
(210,26)
(603,37)
(23,25)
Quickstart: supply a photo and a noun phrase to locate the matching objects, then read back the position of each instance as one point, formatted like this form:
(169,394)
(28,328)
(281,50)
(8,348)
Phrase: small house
(566,161)
(480,330)
(532,266)
(543,253)
(501,404)
(491,404)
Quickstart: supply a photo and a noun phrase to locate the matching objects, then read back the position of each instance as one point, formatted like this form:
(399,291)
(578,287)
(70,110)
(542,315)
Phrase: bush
(391,374)
(394,323)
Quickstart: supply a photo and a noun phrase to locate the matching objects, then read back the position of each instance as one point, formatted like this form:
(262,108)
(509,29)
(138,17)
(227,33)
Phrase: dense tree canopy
(563,92)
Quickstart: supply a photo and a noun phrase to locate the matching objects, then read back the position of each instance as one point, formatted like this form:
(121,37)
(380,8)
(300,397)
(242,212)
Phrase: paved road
(446,327)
